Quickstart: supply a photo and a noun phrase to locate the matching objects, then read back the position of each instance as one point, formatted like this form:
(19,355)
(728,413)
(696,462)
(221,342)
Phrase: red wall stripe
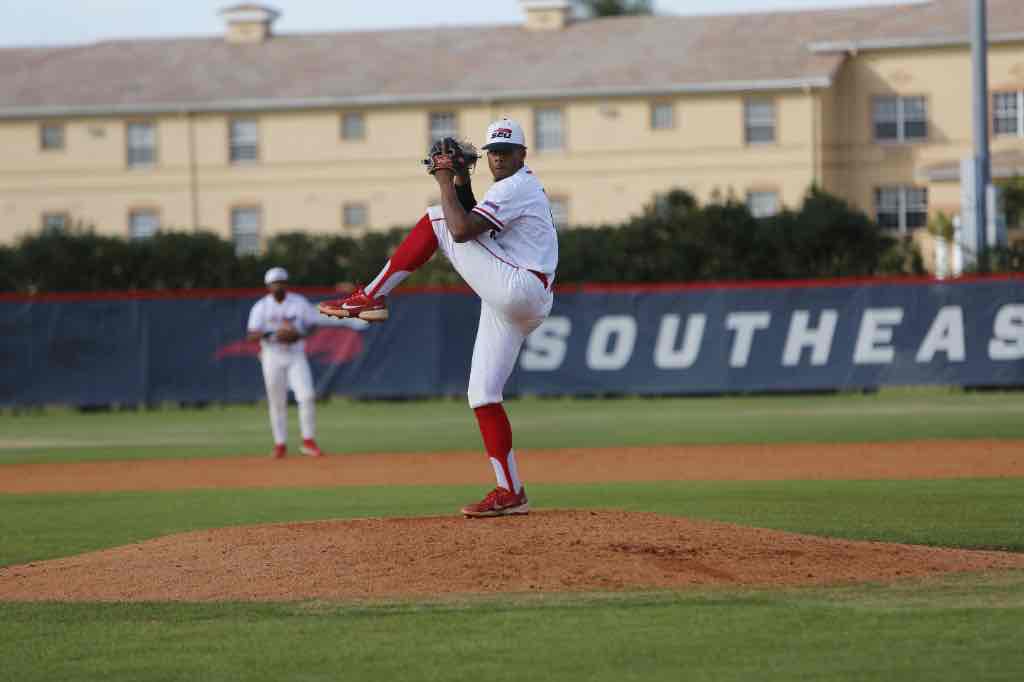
(596,288)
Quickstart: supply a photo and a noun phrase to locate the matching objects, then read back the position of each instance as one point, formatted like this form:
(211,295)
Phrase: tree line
(674,239)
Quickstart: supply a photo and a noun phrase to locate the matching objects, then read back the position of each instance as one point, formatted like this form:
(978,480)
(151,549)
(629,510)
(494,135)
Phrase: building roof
(641,55)
(935,23)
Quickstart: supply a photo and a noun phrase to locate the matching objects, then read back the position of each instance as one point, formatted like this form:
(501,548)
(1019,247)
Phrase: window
(900,119)
(916,207)
(887,118)
(143,223)
(1008,113)
(888,206)
(549,129)
(443,124)
(51,136)
(141,140)
(56,222)
(759,121)
(353,126)
(245,229)
(663,116)
(560,212)
(901,208)
(355,215)
(244,140)
(763,204)
(915,118)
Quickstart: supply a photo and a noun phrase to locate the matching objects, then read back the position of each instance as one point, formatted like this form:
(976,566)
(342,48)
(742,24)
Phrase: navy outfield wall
(644,339)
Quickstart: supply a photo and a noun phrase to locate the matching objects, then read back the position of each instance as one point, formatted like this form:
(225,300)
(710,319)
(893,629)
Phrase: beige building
(251,133)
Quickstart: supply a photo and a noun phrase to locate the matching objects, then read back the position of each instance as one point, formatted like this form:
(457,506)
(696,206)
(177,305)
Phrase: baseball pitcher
(506,249)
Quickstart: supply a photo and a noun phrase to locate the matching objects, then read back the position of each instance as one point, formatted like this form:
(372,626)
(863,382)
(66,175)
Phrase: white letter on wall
(745,325)
(621,329)
(545,347)
(945,336)
(666,356)
(875,331)
(1008,343)
(802,336)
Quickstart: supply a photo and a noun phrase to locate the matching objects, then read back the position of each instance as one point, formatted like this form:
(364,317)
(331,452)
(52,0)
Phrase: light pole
(982,159)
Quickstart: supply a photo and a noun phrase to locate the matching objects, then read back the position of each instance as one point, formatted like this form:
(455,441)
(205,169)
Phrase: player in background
(506,249)
(280,321)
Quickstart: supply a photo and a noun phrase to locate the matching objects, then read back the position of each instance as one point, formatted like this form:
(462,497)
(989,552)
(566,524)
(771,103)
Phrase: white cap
(504,132)
(275,275)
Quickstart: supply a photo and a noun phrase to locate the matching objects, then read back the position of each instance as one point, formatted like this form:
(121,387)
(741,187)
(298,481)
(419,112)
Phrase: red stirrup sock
(415,250)
(497,435)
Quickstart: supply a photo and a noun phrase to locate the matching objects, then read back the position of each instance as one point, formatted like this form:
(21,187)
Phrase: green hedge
(674,239)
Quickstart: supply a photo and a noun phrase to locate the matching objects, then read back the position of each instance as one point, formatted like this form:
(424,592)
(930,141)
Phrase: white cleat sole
(374,315)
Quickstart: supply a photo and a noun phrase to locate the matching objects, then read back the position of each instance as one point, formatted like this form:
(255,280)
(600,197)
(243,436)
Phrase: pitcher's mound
(547,551)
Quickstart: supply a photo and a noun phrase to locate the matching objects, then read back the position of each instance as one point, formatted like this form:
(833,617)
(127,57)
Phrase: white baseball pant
(282,371)
(514,302)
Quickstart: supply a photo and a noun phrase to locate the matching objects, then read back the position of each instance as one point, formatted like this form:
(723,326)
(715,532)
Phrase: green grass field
(961,627)
(901,414)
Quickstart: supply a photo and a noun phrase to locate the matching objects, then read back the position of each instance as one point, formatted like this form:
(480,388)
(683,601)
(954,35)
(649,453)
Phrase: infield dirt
(801,461)
(550,550)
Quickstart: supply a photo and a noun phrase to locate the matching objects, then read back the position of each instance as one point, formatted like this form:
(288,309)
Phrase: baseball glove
(458,156)
(287,334)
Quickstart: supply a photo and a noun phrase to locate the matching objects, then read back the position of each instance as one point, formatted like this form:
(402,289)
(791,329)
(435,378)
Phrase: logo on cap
(504,133)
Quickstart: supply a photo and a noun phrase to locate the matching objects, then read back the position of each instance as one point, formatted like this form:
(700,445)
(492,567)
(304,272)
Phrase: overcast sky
(49,22)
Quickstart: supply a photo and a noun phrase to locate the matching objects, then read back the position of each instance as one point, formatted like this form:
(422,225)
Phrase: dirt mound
(546,551)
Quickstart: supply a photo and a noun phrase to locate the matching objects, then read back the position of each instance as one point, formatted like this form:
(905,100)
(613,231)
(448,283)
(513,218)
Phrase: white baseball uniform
(284,364)
(511,268)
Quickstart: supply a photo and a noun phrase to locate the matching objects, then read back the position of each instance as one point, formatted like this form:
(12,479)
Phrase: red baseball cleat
(309,447)
(358,304)
(499,502)
(280,451)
